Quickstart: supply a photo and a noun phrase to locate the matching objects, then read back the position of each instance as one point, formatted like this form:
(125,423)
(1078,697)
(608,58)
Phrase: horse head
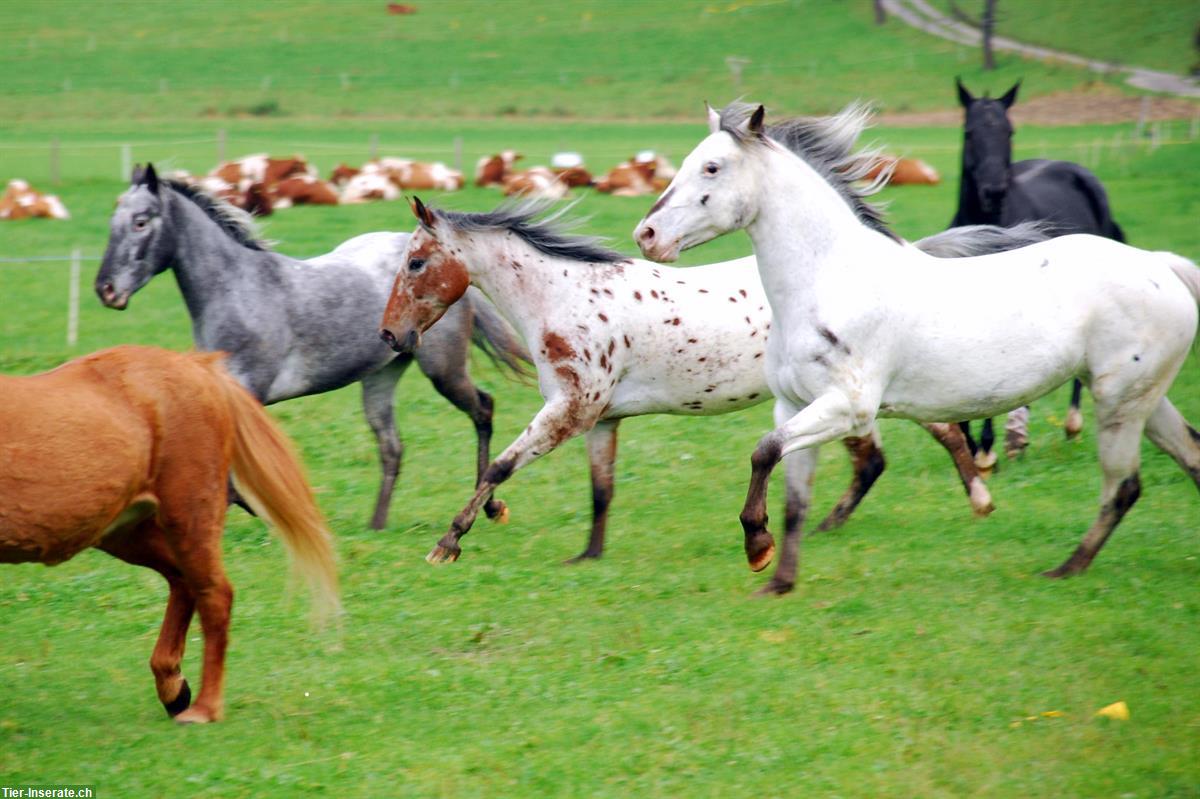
(429,281)
(987,147)
(140,243)
(713,192)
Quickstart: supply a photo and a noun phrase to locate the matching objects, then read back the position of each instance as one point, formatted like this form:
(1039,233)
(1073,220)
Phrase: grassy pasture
(916,657)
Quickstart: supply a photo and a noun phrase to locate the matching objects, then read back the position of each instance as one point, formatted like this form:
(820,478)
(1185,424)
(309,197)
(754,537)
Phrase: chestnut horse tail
(268,475)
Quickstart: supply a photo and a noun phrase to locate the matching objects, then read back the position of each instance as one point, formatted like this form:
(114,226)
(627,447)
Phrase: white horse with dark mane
(864,328)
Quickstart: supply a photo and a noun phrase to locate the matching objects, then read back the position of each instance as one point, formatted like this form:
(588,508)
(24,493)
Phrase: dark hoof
(443,554)
(776,587)
(760,551)
(1075,564)
(181,701)
(582,557)
(497,511)
(832,522)
(378,522)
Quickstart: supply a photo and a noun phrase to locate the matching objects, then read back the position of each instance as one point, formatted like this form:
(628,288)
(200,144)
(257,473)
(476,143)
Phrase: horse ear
(423,214)
(756,121)
(136,178)
(150,179)
(964,97)
(1010,96)
(714,119)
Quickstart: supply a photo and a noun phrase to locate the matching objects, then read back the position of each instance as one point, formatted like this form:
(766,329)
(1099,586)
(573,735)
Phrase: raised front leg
(829,417)
(556,422)
(476,403)
(379,390)
(602,456)
(950,436)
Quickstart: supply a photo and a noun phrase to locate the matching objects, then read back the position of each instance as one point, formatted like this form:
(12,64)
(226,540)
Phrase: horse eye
(416,264)
(711,167)
(140,224)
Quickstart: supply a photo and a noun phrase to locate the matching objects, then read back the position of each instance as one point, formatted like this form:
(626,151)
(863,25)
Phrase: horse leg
(556,422)
(866,457)
(951,437)
(1074,424)
(985,459)
(144,545)
(1119,440)
(602,454)
(828,417)
(972,445)
(1171,433)
(378,397)
(800,467)
(455,385)
(1016,432)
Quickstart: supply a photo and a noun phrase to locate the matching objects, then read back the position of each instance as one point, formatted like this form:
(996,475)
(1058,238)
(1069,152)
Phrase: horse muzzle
(404,344)
(110,298)
(653,246)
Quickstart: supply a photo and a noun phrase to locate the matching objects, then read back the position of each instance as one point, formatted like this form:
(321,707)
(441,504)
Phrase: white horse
(612,338)
(864,326)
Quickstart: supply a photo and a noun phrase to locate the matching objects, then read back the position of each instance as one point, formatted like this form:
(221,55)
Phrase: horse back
(1063,193)
(82,443)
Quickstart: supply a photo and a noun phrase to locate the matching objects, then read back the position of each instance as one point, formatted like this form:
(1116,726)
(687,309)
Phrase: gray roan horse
(293,327)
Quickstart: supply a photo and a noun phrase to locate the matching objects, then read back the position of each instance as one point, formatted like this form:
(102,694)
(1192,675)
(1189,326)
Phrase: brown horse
(129,450)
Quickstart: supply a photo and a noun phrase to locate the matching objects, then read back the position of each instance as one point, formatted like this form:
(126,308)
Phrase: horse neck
(206,261)
(970,212)
(525,285)
(804,229)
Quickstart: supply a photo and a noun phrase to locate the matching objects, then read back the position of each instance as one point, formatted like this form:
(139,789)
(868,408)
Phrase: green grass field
(920,655)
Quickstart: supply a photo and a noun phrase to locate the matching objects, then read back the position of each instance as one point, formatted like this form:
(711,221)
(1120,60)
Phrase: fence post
(221,146)
(458,153)
(54,173)
(374,146)
(73,300)
(126,162)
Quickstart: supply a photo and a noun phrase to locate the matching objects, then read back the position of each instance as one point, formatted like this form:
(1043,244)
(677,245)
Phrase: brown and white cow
(261,168)
(630,179)
(538,182)
(302,190)
(491,170)
(905,171)
(22,201)
(368,187)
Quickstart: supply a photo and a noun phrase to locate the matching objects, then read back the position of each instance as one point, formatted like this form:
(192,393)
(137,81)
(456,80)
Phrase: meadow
(920,655)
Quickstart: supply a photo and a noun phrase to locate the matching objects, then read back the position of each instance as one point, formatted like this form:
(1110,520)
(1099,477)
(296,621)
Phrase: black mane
(528,222)
(236,223)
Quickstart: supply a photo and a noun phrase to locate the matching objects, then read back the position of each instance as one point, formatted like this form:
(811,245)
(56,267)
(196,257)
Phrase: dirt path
(1064,108)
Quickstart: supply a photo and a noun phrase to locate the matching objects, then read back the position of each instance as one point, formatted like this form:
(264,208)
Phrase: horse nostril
(388,337)
(647,233)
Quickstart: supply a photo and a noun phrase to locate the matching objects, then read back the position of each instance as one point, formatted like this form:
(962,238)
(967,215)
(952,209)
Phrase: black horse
(995,191)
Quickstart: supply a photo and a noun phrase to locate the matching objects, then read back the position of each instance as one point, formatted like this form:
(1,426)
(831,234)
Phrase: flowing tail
(268,475)
(495,337)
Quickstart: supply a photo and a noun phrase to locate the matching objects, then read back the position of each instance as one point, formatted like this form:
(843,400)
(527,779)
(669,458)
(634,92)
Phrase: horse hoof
(195,715)
(501,516)
(985,462)
(1070,568)
(981,498)
(443,554)
(1074,423)
(581,558)
(776,587)
(760,551)
(181,701)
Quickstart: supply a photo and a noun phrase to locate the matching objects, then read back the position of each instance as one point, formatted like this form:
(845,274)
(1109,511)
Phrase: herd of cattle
(261,184)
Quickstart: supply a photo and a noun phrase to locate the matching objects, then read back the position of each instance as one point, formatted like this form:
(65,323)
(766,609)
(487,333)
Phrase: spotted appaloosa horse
(613,337)
(868,326)
(129,450)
